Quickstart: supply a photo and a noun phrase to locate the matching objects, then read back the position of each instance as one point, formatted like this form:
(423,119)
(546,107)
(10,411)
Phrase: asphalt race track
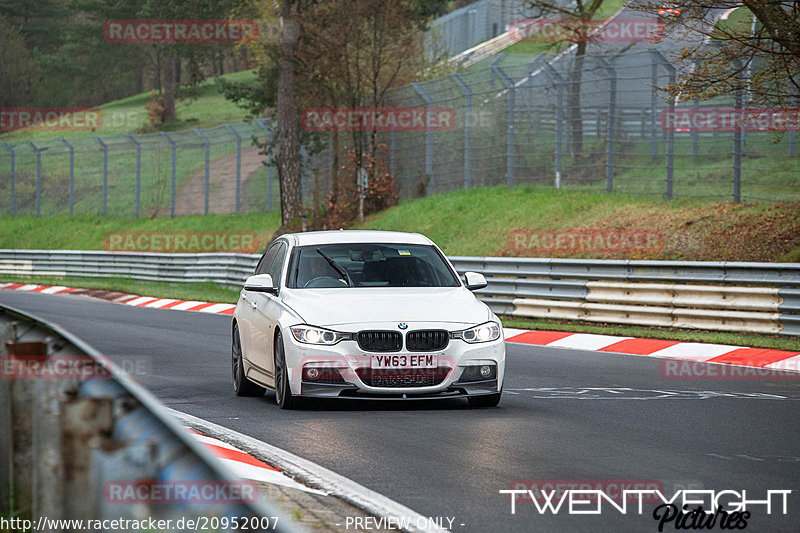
(566,415)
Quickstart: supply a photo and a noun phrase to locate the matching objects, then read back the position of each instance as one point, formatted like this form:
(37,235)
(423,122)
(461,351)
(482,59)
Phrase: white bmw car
(364,314)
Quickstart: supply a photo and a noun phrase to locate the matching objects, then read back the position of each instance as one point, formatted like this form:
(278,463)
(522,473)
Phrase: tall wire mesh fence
(610,129)
(530,122)
(213,170)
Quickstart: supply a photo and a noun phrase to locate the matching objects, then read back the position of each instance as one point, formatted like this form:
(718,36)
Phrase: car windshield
(369,265)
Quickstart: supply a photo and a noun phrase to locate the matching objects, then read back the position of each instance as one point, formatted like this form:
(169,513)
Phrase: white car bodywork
(267,315)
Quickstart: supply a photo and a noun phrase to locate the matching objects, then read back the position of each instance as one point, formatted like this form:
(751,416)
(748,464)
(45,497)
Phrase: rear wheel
(241,385)
(485,400)
(283,392)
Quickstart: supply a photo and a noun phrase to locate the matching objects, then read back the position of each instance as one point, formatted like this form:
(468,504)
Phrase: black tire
(241,385)
(485,400)
(283,392)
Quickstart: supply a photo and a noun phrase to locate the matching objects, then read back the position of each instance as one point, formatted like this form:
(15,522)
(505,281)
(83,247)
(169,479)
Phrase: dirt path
(221,185)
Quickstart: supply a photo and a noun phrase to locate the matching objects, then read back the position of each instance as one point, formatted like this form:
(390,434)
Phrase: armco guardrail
(83,441)
(725,296)
(227,269)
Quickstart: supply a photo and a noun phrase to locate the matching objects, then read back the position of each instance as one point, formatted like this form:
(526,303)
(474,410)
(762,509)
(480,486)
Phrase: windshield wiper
(342,272)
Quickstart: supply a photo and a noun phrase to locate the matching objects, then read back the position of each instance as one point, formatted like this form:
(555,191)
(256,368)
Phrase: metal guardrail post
(612,120)
(104,148)
(13,183)
(238,162)
(558,81)
(138,171)
(428,138)
(38,152)
(467,128)
(96,426)
(206,187)
(71,173)
(173,146)
(270,161)
(511,103)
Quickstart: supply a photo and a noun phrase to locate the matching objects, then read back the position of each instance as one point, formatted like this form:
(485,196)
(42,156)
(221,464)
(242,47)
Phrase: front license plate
(404,361)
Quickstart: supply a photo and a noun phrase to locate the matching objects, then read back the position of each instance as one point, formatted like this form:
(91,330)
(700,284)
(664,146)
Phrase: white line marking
(186,305)
(139,301)
(161,302)
(217,308)
(587,341)
(265,475)
(53,289)
(791,364)
(694,351)
(314,475)
(27,287)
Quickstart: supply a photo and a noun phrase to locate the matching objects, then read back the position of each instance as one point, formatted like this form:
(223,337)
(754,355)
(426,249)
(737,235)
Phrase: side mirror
(475,281)
(260,283)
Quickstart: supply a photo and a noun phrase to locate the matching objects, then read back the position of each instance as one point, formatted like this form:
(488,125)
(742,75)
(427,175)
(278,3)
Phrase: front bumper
(352,364)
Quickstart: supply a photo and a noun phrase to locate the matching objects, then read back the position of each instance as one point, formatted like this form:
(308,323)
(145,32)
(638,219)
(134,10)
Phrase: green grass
(205,292)
(480,222)
(90,232)
(778,342)
(207,108)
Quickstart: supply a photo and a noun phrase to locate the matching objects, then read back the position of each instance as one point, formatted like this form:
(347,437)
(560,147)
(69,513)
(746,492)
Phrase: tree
(581,15)
(338,53)
(19,73)
(755,50)
(288,119)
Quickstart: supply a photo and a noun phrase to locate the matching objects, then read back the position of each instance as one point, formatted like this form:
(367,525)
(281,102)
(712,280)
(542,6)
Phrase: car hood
(370,305)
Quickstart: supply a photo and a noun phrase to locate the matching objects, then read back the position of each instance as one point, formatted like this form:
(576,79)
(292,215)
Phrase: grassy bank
(482,221)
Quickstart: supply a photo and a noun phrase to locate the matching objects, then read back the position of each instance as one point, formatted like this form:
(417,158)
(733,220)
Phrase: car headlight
(311,335)
(490,331)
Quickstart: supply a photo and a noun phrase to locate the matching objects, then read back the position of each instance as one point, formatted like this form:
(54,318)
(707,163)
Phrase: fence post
(559,83)
(268,131)
(138,170)
(512,96)
(238,162)
(612,120)
(467,129)
(13,177)
(695,134)
(104,147)
(653,107)
(173,145)
(71,173)
(793,132)
(737,141)
(428,138)
(392,153)
(38,152)
(208,164)
(668,131)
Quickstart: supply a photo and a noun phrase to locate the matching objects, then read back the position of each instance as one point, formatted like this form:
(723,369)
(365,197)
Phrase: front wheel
(283,392)
(485,400)
(241,385)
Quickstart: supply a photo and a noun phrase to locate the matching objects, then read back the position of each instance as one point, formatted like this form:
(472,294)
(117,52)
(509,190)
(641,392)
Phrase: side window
(276,269)
(266,259)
